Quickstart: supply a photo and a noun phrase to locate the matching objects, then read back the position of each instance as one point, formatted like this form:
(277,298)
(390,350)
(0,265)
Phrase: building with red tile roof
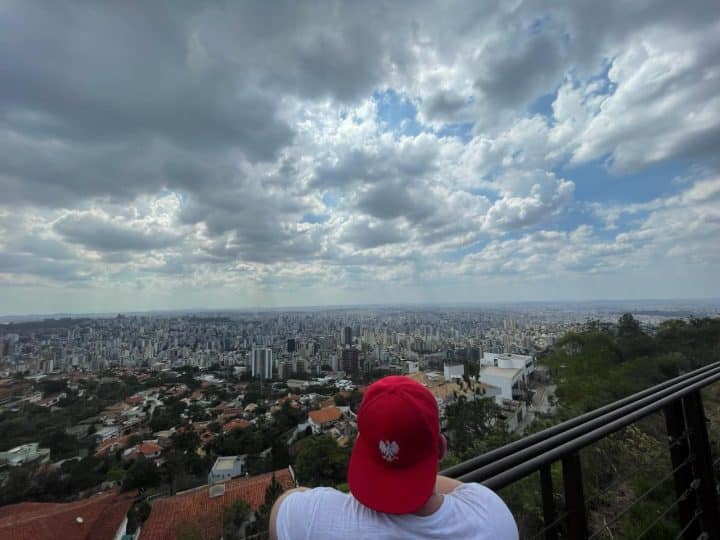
(196,507)
(135,400)
(237,423)
(325,416)
(150,449)
(113,444)
(101,517)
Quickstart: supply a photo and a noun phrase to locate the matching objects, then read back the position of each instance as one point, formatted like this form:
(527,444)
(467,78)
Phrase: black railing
(692,467)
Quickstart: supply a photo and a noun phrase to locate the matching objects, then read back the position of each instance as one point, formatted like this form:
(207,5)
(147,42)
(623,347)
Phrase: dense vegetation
(600,366)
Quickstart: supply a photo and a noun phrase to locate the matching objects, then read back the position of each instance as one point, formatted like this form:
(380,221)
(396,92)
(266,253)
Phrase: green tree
(474,426)
(141,474)
(186,441)
(272,492)
(235,517)
(320,461)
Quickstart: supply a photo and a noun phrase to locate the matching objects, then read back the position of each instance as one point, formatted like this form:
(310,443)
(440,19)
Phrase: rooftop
(101,516)
(328,414)
(509,373)
(225,463)
(195,505)
(237,423)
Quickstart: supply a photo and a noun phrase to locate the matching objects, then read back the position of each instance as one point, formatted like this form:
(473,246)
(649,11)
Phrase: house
(506,379)
(112,445)
(51,401)
(323,419)
(149,449)
(203,506)
(452,372)
(238,423)
(101,517)
(164,437)
(525,363)
(107,432)
(226,468)
(26,453)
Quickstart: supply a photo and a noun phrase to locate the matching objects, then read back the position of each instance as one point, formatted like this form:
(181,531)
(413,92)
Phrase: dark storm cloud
(99,234)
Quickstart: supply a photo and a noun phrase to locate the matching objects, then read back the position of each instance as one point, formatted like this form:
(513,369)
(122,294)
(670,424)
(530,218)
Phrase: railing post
(548,503)
(703,466)
(680,459)
(574,497)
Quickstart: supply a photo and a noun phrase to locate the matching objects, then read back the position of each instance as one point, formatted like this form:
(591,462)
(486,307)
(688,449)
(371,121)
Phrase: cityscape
(329,269)
(210,406)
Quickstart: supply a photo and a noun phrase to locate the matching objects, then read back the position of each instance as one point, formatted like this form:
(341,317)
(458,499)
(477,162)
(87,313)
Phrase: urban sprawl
(206,409)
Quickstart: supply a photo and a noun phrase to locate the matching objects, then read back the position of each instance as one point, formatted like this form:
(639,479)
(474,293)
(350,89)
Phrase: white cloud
(242,145)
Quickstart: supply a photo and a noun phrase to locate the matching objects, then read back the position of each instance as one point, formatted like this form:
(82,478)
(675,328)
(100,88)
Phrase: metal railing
(692,468)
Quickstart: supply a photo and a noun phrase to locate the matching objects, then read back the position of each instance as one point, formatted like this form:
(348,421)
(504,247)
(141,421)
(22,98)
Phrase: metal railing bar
(580,436)
(550,451)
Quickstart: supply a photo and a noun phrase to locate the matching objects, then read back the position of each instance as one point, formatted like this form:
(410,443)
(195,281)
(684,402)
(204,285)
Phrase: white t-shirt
(469,511)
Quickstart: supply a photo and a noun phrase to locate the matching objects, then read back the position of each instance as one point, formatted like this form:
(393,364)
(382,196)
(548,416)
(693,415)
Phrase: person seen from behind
(396,492)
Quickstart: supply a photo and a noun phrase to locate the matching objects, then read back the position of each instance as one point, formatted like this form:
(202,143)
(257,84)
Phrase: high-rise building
(285,369)
(262,363)
(347,336)
(350,360)
(291,345)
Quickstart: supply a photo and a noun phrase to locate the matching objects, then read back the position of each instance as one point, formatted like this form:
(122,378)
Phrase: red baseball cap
(395,458)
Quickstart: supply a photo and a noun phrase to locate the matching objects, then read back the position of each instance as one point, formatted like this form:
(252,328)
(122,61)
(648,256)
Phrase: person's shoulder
(472,490)
(488,505)
(294,508)
(305,497)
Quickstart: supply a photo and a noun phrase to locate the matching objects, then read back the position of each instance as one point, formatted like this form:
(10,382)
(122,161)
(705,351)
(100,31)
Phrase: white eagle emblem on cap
(389,450)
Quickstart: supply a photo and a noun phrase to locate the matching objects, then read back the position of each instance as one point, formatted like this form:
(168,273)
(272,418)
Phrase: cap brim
(401,490)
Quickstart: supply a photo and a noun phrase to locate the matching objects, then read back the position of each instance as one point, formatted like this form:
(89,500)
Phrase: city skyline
(229,156)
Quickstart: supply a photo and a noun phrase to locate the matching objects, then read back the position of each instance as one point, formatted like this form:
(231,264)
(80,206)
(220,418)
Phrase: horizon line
(191,310)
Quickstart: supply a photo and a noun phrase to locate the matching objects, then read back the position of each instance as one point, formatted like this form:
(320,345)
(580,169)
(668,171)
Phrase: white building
(503,378)
(25,453)
(226,467)
(262,363)
(453,371)
(525,363)
(412,367)
(106,433)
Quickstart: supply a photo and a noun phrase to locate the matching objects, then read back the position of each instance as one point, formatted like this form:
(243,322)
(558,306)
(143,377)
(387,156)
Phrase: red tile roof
(328,414)
(149,448)
(112,444)
(237,423)
(101,516)
(195,506)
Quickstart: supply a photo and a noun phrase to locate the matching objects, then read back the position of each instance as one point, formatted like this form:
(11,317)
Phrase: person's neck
(432,505)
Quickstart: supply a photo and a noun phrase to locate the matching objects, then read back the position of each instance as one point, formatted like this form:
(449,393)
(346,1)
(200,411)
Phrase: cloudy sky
(188,154)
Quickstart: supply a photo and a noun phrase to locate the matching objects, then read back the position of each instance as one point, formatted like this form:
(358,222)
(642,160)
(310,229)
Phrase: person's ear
(442,447)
